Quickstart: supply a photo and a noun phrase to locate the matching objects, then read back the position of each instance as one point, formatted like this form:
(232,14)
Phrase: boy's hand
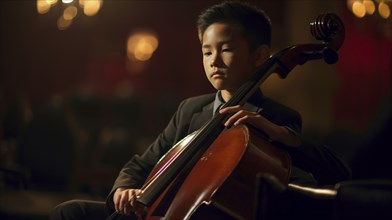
(275,132)
(125,201)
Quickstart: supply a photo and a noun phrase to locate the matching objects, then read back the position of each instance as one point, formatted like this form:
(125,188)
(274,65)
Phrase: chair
(355,199)
(364,199)
(275,201)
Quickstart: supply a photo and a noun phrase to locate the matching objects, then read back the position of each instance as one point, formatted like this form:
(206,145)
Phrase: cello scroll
(327,27)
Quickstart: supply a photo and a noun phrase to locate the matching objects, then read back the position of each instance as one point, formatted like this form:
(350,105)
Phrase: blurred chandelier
(70,10)
(361,8)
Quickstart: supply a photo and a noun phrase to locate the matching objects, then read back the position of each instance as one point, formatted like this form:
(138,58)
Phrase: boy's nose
(214,61)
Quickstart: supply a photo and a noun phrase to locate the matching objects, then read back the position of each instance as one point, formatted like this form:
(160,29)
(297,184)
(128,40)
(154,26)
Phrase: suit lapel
(200,118)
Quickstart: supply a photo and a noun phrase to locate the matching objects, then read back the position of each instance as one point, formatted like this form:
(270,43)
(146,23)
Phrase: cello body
(223,181)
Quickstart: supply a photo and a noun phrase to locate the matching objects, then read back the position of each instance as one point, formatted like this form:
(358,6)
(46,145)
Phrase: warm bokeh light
(63,24)
(362,7)
(91,7)
(51,2)
(141,46)
(143,51)
(384,10)
(70,12)
(370,7)
(43,6)
(81,3)
(359,9)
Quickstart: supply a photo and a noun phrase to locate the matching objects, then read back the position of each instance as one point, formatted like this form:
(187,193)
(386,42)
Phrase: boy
(235,41)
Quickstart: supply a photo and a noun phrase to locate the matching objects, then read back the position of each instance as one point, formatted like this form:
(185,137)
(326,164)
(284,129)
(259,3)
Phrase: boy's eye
(207,53)
(227,50)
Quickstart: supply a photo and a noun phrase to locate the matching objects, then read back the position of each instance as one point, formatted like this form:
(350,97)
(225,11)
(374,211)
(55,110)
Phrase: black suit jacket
(193,113)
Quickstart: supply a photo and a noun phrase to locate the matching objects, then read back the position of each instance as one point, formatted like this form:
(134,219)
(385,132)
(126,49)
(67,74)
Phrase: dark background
(74,108)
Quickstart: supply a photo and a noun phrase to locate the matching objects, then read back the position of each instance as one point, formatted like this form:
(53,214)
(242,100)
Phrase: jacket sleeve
(136,170)
(311,162)
(327,166)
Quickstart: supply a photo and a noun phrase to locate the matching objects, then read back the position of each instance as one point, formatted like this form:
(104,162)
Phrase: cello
(212,172)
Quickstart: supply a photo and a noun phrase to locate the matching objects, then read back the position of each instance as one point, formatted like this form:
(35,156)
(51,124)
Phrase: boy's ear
(262,53)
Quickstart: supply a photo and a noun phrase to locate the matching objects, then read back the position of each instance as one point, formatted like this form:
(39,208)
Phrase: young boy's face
(226,57)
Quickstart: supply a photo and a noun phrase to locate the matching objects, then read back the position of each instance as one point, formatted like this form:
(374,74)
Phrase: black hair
(254,24)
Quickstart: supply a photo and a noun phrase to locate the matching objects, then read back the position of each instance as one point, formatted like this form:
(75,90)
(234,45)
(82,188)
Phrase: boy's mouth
(217,74)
